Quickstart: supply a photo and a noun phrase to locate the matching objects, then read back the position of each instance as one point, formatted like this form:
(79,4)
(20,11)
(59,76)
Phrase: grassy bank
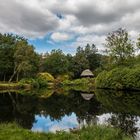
(14,132)
(41,80)
(14,86)
(83,84)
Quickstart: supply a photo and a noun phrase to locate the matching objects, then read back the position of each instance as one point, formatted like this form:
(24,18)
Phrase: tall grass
(14,132)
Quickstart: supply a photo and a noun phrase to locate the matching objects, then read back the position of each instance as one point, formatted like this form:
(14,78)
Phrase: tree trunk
(17,76)
(14,73)
(4,77)
(11,78)
(13,103)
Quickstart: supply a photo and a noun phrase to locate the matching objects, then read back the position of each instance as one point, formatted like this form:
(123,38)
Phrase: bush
(132,79)
(63,77)
(44,78)
(119,78)
(34,83)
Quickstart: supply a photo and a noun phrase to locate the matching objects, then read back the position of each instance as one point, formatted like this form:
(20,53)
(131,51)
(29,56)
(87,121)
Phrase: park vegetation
(118,67)
(19,63)
(123,70)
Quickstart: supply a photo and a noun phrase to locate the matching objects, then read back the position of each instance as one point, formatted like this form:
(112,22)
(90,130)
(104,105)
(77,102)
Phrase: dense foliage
(17,58)
(119,78)
(57,63)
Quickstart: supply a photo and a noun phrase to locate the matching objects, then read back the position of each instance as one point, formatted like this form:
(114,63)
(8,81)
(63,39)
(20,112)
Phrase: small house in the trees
(87,73)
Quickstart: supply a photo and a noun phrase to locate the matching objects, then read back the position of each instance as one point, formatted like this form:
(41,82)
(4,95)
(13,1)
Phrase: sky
(45,124)
(67,24)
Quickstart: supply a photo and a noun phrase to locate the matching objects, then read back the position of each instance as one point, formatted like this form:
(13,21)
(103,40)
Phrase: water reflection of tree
(22,108)
(125,122)
(59,105)
(120,101)
(124,106)
(16,107)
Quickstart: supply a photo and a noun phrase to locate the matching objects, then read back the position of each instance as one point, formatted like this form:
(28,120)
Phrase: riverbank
(14,132)
(83,84)
(14,86)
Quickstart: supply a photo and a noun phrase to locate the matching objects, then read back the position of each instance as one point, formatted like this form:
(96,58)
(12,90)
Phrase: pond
(51,111)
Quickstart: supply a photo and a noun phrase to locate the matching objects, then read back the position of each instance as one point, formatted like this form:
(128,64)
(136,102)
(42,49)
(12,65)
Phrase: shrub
(63,77)
(44,78)
(101,80)
(119,78)
(34,83)
(132,79)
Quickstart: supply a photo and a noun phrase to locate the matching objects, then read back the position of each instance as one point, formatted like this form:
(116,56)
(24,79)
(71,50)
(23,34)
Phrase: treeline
(57,63)
(18,60)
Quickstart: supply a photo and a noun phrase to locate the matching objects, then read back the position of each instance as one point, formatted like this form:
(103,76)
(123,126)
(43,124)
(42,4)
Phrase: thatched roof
(87,96)
(87,73)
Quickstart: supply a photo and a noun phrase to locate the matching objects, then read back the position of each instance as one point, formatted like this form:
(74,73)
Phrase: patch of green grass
(83,84)
(14,132)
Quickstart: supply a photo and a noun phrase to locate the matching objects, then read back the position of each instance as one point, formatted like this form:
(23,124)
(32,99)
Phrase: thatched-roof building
(87,73)
(87,96)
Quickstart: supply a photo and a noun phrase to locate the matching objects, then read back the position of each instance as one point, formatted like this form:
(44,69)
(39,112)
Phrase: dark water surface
(54,111)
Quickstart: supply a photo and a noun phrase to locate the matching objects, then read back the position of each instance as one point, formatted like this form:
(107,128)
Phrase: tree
(6,60)
(119,47)
(80,62)
(87,57)
(56,63)
(26,61)
(7,42)
(91,54)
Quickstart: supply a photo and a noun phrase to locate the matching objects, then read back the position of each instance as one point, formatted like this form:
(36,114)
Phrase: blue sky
(67,24)
(46,44)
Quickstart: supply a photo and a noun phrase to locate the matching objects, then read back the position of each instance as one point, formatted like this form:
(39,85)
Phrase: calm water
(54,111)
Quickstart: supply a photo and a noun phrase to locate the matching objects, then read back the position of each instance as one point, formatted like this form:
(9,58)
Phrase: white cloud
(25,20)
(91,20)
(90,39)
(58,36)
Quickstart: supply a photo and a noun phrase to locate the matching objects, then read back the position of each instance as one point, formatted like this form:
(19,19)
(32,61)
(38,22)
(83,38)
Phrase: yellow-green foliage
(46,76)
(63,77)
(14,86)
(83,84)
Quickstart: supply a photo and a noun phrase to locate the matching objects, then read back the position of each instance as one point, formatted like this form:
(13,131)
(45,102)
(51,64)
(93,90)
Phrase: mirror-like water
(72,110)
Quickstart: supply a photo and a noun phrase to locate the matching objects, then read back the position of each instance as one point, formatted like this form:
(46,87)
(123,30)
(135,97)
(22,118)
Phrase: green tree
(7,43)
(92,55)
(80,62)
(56,63)
(26,61)
(6,60)
(87,57)
(119,47)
